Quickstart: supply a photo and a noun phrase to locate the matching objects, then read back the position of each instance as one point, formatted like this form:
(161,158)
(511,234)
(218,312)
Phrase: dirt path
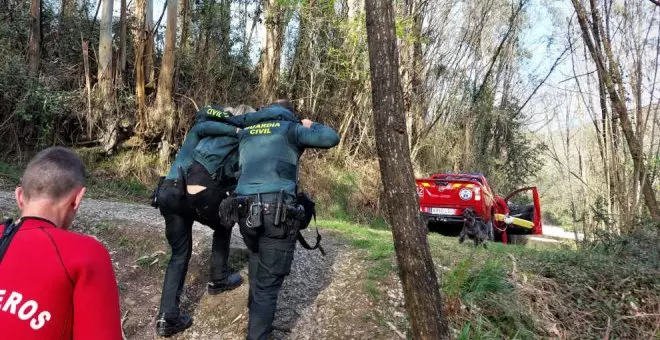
(324,297)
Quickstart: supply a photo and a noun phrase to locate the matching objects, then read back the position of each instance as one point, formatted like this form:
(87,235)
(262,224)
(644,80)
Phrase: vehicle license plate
(442,211)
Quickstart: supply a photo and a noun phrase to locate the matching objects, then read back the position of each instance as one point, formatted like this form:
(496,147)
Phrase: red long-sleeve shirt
(57,284)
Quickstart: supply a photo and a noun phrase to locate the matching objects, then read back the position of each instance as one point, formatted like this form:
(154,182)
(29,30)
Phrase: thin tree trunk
(225,27)
(182,52)
(410,57)
(416,269)
(68,7)
(272,51)
(122,41)
(106,118)
(163,119)
(149,50)
(88,85)
(105,51)
(164,95)
(140,37)
(184,45)
(34,42)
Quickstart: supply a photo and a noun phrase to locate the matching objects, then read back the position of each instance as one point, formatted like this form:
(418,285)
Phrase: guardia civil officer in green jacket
(269,152)
(174,204)
(211,178)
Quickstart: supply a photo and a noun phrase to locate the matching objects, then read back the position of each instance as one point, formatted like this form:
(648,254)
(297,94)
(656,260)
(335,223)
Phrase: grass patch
(377,243)
(474,283)
(381,270)
(379,251)
(372,290)
(10,172)
(125,190)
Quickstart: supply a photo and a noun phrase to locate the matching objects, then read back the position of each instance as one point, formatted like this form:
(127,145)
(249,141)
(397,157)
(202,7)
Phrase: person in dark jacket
(179,217)
(211,178)
(269,153)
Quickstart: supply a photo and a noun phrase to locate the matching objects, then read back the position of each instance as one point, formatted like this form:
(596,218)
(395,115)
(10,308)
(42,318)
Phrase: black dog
(474,229)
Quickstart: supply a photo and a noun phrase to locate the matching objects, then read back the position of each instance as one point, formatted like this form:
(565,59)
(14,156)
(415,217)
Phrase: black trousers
(179,216)
(271,255)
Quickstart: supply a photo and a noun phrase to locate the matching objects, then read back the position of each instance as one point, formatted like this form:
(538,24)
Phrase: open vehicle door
(522,218)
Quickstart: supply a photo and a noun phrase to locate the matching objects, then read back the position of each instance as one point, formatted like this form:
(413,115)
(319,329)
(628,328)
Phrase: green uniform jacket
(184,157)
(269,152)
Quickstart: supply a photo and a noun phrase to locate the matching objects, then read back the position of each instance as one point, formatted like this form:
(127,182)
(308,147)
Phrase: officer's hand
(306,123)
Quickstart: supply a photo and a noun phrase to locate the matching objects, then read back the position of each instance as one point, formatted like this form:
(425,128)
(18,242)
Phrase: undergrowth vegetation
(607,288)
(123,177)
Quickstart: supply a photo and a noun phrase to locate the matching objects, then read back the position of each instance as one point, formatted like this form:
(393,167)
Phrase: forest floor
(505,291)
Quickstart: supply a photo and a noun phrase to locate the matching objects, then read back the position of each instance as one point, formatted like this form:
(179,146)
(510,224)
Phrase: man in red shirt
(54,284)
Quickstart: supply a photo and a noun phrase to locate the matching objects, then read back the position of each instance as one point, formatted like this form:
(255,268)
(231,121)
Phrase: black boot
(231,282)
(169,327)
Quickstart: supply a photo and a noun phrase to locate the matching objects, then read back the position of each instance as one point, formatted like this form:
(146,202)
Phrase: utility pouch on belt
(232,209)
(306,209)
(154,194)
(255,214)
(309,209)
(279,214)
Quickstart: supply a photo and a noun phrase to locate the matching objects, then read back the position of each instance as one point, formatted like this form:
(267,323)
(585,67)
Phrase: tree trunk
(225,28)
(106,118)
(163,117)
(140,36)
(184,24)
(34,42)
(612,78)
(411,55)
(272,49)
(149,50)
(416,269)
(122,41)
(184,45)
(105,52)
(67,7)
(67,12)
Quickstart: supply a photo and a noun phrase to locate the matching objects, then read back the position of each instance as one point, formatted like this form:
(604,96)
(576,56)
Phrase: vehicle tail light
(477,194)
(426,184)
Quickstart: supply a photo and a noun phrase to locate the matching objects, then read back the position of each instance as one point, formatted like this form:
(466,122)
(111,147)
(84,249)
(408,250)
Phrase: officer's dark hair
(53,173)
